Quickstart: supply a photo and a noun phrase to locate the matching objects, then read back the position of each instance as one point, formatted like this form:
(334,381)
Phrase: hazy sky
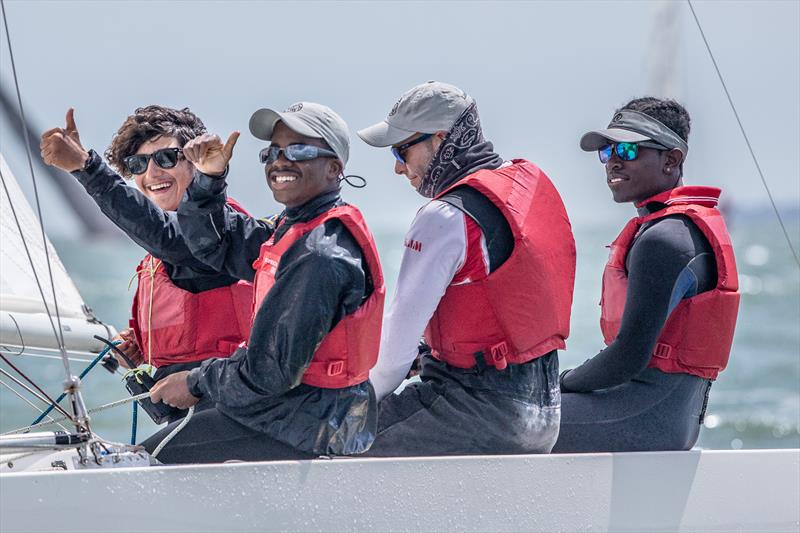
(542,73)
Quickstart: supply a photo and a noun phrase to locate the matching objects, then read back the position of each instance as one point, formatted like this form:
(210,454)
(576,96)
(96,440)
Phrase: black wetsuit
(613,402)
(263,411)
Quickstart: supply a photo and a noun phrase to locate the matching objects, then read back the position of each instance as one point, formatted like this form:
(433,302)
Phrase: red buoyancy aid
(173,325)
(348,352)
(697,337)
(520,311)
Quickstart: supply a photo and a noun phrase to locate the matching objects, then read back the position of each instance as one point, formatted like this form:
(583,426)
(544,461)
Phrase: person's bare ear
(335,169)
(673,159)
(438,139)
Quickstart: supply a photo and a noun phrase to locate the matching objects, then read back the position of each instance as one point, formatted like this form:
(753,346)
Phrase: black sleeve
(222,238)
(319,280)
(656,260)
(143,221)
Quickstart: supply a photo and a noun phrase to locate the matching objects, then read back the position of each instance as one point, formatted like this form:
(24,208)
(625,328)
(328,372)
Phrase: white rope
(90,411)
(173,433)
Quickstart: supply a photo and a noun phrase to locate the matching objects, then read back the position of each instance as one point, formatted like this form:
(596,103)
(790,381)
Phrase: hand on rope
(129,347)
(173,390)
(61,147)
(208,154)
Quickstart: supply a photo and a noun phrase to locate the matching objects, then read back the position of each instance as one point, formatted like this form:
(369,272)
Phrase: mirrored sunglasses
(293,152)
(625,151)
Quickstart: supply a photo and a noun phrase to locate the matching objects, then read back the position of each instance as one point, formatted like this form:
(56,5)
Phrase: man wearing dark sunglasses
(669,298)
(183,311)
(486,276)
(300,388)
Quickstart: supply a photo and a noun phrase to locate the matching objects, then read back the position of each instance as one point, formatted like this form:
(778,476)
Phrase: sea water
(754,404)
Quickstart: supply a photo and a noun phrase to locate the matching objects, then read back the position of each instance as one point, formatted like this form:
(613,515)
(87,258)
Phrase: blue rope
(83,374)
(133,424)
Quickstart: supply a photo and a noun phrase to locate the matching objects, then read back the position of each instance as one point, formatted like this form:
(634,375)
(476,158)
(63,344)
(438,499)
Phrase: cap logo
(394,108)
(295,108)
(617,118)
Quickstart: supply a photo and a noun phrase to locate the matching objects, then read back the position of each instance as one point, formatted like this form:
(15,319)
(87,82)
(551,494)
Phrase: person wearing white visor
(299,388)
(669,294)
(486,277)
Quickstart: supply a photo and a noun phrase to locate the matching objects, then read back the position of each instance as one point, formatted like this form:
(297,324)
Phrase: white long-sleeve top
(435,255)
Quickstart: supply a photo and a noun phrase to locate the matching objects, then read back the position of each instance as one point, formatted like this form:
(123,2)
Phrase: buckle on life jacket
(498,353)
(335,367)
(662,350)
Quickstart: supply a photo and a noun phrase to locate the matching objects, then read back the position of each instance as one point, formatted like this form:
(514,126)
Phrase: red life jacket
(349,350)
(697,337)
(520,311)
(177,326)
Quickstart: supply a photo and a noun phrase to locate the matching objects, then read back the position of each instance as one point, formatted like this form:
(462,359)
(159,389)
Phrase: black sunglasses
(399,151)
(164,158)
(293,152)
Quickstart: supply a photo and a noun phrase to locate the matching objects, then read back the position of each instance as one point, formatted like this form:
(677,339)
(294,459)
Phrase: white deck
(756,490)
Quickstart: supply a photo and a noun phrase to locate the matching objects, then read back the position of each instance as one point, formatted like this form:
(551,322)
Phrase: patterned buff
(463,152)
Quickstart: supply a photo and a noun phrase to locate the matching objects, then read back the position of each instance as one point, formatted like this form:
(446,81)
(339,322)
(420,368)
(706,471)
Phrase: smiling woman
(141,149)
(183,313)
(163,185)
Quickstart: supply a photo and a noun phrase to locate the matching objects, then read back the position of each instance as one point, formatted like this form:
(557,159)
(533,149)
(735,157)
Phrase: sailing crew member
(183,311)
(669,299)
(300,388)
(487,275)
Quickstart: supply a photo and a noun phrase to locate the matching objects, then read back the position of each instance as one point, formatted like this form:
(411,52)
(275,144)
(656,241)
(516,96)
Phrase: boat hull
(653,491)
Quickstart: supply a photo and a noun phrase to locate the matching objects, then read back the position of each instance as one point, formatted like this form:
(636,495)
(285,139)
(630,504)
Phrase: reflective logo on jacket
(521,310)
(349,350)
(697,337)
(177,326)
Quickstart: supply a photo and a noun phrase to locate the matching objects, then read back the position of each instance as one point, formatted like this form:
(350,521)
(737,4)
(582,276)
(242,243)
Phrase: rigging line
(82,375)
(90,411)
(59,333)
(24,399)
(16,325)
(21,384)
(7,349)
(744,134)
(48,400)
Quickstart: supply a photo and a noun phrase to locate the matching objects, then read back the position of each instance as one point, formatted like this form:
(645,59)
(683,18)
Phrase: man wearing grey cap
(299,388)
(669,299)
(487,276)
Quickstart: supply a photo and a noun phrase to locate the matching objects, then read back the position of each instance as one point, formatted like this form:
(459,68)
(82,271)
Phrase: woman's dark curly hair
(669,112)
(148,123)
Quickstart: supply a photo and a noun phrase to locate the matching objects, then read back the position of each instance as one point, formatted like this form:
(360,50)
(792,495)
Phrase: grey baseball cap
(427,108)
(309,119)
(632,127)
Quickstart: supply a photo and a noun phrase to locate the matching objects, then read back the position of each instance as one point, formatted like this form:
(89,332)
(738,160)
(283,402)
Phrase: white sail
(24,318)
